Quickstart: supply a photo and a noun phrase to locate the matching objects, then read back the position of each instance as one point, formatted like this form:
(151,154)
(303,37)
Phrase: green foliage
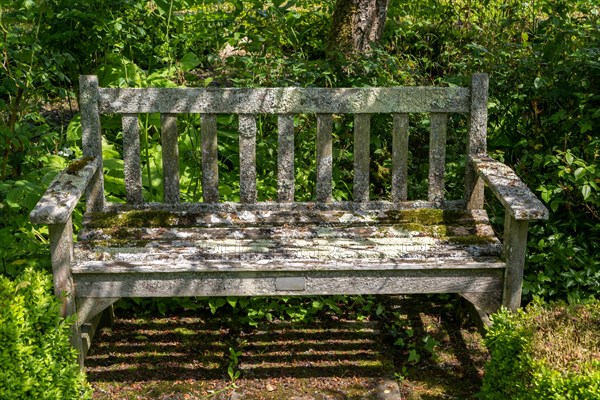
(543,61)
(542,57)
(234,361)
(37,359)
(547,352)
(413,346)
(544,65)
(245,311)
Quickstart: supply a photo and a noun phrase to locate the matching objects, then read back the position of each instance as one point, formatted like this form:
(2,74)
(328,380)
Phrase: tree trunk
(356,24)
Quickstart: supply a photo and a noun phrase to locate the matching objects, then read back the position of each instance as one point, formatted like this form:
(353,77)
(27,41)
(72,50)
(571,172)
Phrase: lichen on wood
(61,197)
(255,237)
(510,190)
(289,100)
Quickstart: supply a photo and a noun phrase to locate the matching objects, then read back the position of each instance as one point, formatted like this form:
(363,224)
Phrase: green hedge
(36,358)
(549,351)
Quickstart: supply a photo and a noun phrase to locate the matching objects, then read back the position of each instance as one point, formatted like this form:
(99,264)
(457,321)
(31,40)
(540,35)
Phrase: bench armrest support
(63,194)
(516,197)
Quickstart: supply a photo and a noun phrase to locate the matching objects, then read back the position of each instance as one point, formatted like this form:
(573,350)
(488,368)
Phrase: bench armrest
(63,194)
(509,189)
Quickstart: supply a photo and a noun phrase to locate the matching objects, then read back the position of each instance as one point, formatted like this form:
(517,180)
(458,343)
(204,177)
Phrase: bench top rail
(292,100)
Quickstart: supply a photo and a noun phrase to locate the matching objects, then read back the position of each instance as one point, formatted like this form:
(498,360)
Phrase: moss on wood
(120,243)
(471,239)
(428,216)
(452,226)
(132,219)
(77,165)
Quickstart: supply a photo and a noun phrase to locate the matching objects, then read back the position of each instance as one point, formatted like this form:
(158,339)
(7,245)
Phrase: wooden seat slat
(120,216)
(277,266)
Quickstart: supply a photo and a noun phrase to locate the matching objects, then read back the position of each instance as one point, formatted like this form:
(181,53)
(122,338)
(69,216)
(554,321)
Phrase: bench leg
(61,255)
(478,306)
(107,318)
(89,307)
(93,314)
(515,244)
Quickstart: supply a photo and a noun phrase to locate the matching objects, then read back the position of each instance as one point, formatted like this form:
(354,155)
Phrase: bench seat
(298,250)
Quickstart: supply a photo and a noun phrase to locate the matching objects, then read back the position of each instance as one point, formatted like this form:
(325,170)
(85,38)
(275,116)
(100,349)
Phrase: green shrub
(37,359)
(546,352)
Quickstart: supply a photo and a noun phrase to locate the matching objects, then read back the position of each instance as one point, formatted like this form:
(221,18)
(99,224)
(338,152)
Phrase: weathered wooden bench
(253,248)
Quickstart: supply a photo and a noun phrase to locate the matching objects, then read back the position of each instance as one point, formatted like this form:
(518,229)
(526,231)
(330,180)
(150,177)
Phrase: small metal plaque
(295,283)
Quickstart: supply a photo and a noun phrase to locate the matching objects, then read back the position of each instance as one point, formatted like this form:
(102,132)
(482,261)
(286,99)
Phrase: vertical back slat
(324,157)
(131,157)
(437,156)
(362,134)
(247,128)
(92,138)
(400,158)
(476,144)
(170,148)
(285,158)
(210,170)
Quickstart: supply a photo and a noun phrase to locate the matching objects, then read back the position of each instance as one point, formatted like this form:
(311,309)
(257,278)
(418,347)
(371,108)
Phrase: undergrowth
(548,351)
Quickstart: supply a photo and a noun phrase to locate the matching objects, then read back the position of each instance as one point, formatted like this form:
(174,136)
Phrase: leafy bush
(37,359)
(546,352)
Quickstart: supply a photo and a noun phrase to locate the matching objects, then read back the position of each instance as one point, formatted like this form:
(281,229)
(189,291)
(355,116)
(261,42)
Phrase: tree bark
(356,24)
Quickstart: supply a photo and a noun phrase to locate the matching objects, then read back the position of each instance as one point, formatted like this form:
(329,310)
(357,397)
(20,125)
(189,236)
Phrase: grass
(566,336)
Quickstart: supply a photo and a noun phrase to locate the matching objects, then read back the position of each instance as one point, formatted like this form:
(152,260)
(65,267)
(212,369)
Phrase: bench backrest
(285,103)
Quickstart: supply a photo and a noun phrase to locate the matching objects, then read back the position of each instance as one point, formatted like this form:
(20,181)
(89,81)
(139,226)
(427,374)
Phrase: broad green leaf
(413,356)
(579,172)
(586,191)
(545,196)
(189,61)
(569,157)
(232,301)
(215,303)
